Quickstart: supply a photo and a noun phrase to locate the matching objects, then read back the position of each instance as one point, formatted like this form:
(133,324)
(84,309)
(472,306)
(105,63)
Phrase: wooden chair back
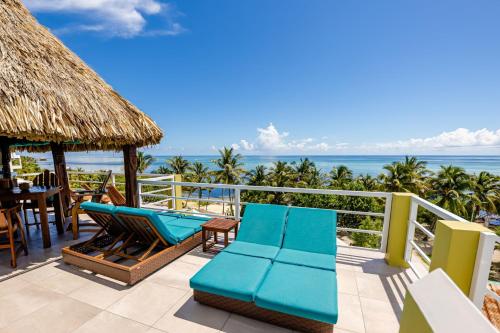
(46,178)
(4,224)
(102,187)
(116,197)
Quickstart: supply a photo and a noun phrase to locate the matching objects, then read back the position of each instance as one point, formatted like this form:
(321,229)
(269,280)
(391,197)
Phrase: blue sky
(298,77)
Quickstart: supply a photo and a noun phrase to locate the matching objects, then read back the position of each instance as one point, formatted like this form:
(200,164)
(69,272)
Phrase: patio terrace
(61,298)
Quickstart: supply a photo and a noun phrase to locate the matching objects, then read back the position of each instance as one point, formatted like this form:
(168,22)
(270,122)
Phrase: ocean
(359,164)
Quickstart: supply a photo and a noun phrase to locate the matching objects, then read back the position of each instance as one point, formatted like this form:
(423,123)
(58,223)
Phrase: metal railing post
(387,222)
(237,200)
(484,256)
(139,193)
(411,230)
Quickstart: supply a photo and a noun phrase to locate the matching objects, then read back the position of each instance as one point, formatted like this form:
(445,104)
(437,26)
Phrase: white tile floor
(60,298)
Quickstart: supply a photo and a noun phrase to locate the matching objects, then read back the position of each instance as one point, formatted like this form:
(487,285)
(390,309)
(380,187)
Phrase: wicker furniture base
(250,310)
(80,255)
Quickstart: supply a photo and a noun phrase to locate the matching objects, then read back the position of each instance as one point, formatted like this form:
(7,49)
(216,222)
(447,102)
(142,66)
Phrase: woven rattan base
(249,309)
(76,255)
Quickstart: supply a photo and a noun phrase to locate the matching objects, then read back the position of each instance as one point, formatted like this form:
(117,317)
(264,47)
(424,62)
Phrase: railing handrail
(269,188)
(439,211)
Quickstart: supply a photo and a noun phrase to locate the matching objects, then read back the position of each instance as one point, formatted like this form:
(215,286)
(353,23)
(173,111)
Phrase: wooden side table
(217,225)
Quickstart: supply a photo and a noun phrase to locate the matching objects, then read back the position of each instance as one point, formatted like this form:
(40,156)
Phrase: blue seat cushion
(253,249)
(300,291)
(232,275)
(172,234)
(309,259)
(311,230)
(98,207)
(187,223)
(263,224)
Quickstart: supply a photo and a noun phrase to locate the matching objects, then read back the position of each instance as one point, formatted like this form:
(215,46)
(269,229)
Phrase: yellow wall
(178,192)
(412,319)
(400,212)
(455,249)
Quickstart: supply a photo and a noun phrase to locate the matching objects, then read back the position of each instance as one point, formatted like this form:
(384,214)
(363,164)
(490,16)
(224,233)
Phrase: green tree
(198,173)
(178,164)
(29,165)
(280,175)
(368,182)
(364,239)
(449,188)
(485,193)
(144,161)
(230,170)
(340,177)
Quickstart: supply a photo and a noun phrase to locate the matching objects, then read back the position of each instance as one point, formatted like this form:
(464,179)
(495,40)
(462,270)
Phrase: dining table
(39,194)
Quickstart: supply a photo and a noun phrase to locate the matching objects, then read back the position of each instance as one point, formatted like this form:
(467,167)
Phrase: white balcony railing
(235,200)
(413,224)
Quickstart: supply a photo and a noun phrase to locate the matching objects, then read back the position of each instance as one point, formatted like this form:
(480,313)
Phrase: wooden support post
(130,165)
(62,174)
(5,147)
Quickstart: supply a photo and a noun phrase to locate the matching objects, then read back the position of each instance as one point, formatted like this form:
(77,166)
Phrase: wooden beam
(62,174)
(130,165)
(5,147)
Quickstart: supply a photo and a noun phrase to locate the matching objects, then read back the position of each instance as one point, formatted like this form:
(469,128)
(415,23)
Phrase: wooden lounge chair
(116,197)
(290,281)
(10,224)
(148,241)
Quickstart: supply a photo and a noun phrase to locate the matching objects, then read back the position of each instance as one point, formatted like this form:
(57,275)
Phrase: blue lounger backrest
(157,221)
(263,224)
(98,207)
(311,230)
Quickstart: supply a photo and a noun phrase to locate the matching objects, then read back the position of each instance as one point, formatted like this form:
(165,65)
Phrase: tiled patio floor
(60,298)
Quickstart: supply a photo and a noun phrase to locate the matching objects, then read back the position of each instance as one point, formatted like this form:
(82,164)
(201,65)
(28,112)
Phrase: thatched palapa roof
(47,93)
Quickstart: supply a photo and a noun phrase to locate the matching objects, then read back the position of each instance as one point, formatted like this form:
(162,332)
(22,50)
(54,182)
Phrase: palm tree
(230,170)
(395,178)
(340,177)
(257,176)
(409,175)
(198,173)
(415,175)
(306,173)
(280,175)
(178,164)
(369,183)
(485,193)
(449,188)
(144,161)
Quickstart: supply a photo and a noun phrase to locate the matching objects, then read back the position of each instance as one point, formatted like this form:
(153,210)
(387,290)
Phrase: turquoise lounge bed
(148,241)
(280,269)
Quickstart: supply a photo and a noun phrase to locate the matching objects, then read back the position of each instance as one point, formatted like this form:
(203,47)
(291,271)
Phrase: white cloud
(270,139)
(459,138)
(235,146)
(247,145)
(124,18)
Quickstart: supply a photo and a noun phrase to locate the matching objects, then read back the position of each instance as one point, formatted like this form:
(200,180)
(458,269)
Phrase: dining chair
(46,178)
(10,226)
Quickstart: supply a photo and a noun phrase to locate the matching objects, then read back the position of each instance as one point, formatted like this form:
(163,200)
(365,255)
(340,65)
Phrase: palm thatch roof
(47,93)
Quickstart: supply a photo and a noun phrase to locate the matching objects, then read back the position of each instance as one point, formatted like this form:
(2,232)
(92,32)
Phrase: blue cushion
(253,249)
(232,275)
(309,259)
(300,291)
(311,230)
(98,207)
(187,223)
(263,224)
(172,234)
